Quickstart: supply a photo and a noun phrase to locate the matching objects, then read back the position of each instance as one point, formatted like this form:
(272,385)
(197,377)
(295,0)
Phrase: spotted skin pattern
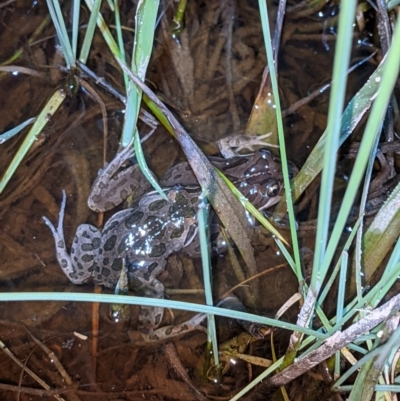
(142,237)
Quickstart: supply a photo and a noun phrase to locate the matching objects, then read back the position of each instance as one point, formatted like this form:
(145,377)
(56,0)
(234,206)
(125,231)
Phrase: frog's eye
(272,189)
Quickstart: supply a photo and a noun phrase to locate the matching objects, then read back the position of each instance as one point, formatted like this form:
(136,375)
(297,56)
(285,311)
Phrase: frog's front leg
(78,266)
(111,188)
(230,146)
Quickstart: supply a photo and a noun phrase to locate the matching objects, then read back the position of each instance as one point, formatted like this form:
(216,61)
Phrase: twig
(278,31)
(52,356)
(174,360)
(7,3)
(27,370)
(144,115)
(228,16)
(22,70)
(99,100)
(35,391)
(322,89)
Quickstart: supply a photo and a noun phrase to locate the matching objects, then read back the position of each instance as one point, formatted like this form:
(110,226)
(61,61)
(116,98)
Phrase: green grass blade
(105,31)
(357,269)
(76,6)
(274,82)
(120,39)
(202,217)
(342,285)
(341,63)
(349,241)
(368,298)
(59,24)
(144,168)
(44,117)
(14,131)
(351,117)
(163,303)
(145,21)
(392,4)
(87,41)
(392,266)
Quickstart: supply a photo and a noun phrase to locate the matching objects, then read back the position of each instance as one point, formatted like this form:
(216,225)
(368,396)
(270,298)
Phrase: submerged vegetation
(161,62)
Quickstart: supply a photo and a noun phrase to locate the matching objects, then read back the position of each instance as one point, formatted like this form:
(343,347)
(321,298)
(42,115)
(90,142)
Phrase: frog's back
(146,235)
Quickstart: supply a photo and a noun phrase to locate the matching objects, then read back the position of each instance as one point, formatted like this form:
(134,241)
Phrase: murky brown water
(212,100)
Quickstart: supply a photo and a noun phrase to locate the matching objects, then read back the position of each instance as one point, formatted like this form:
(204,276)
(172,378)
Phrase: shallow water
(212,100)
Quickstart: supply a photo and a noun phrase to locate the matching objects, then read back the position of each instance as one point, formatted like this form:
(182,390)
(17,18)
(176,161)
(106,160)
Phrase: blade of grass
(393,265)
(274,83)
(105,31)
(145,20)
(163,303)
(44,117)
(202,217)
(340,302)
(349,241)
(120,38)
(144,168)
(341,63)
(351,117)
(76,6)
(357,276)
(87,41)
(14,131)
(392,4)
(61,29)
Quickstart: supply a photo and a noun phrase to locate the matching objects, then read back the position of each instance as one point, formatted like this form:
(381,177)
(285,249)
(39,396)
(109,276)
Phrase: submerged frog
(142,237)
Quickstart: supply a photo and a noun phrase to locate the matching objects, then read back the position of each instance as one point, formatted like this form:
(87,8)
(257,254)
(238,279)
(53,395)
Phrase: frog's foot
(230,146)
(111,187)
(64,259)
(168,332)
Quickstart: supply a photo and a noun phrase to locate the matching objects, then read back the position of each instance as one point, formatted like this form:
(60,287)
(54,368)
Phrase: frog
(141,237)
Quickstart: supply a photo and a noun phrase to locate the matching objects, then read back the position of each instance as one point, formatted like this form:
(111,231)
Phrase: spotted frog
(143,236)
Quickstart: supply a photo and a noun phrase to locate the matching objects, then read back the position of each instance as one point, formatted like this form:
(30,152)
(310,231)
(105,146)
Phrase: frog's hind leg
(84,250)
(149,317)
(87,237)
(168,332)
